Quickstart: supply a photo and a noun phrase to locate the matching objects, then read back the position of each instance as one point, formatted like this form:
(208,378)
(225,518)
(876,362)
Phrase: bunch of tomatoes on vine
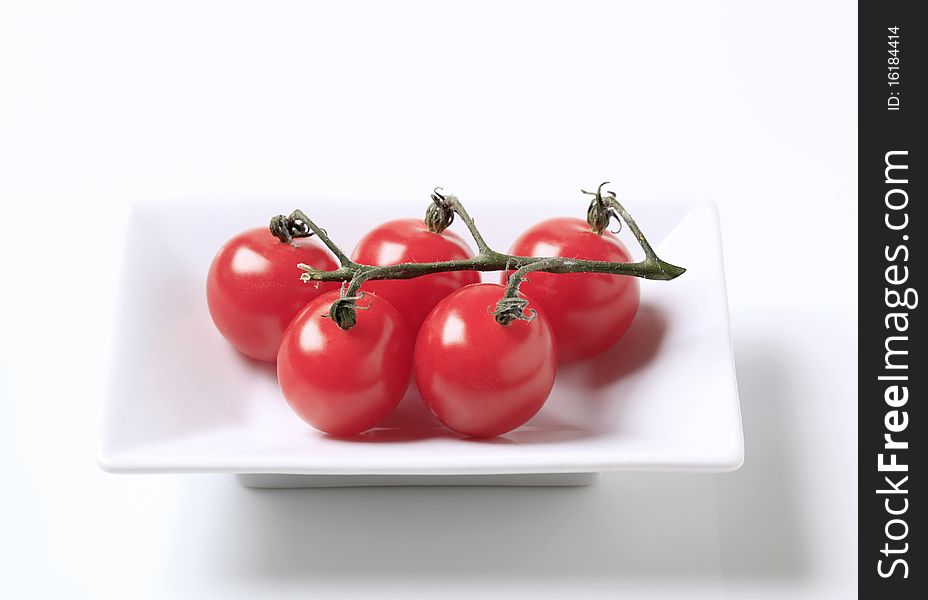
(349,333)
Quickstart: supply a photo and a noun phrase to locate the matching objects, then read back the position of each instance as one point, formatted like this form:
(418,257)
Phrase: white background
(750,104)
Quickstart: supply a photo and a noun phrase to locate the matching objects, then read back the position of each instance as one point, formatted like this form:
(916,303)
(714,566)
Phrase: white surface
(752,105)
(183,400)
(265,480)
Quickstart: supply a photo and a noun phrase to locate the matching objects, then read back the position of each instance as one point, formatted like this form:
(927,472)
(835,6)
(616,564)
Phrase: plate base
(273,480)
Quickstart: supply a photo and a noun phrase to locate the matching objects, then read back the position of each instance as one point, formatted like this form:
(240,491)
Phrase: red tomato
(589,312)
(478,377)
(409,240)
(254,290)
(344,382)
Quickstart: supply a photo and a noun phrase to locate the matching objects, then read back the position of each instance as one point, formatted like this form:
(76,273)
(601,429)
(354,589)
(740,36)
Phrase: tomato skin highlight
(253,288)
(589,312)
(345,382)
(409,240)
(478,377)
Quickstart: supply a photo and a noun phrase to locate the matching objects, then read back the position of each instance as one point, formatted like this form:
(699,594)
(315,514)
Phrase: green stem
(486,259)
(299,216)
(511,306)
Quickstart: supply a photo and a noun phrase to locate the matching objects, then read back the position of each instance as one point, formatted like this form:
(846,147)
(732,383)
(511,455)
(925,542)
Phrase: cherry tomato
(344,382)
(409,240)
(589,312)
(253,288)
(478,377)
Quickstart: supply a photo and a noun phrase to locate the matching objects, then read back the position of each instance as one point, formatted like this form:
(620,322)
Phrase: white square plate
(183,400)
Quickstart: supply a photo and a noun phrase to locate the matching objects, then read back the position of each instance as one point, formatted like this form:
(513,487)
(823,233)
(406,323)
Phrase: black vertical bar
(892,372)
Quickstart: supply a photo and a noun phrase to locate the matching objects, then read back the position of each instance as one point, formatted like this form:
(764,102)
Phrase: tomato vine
(439,215)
